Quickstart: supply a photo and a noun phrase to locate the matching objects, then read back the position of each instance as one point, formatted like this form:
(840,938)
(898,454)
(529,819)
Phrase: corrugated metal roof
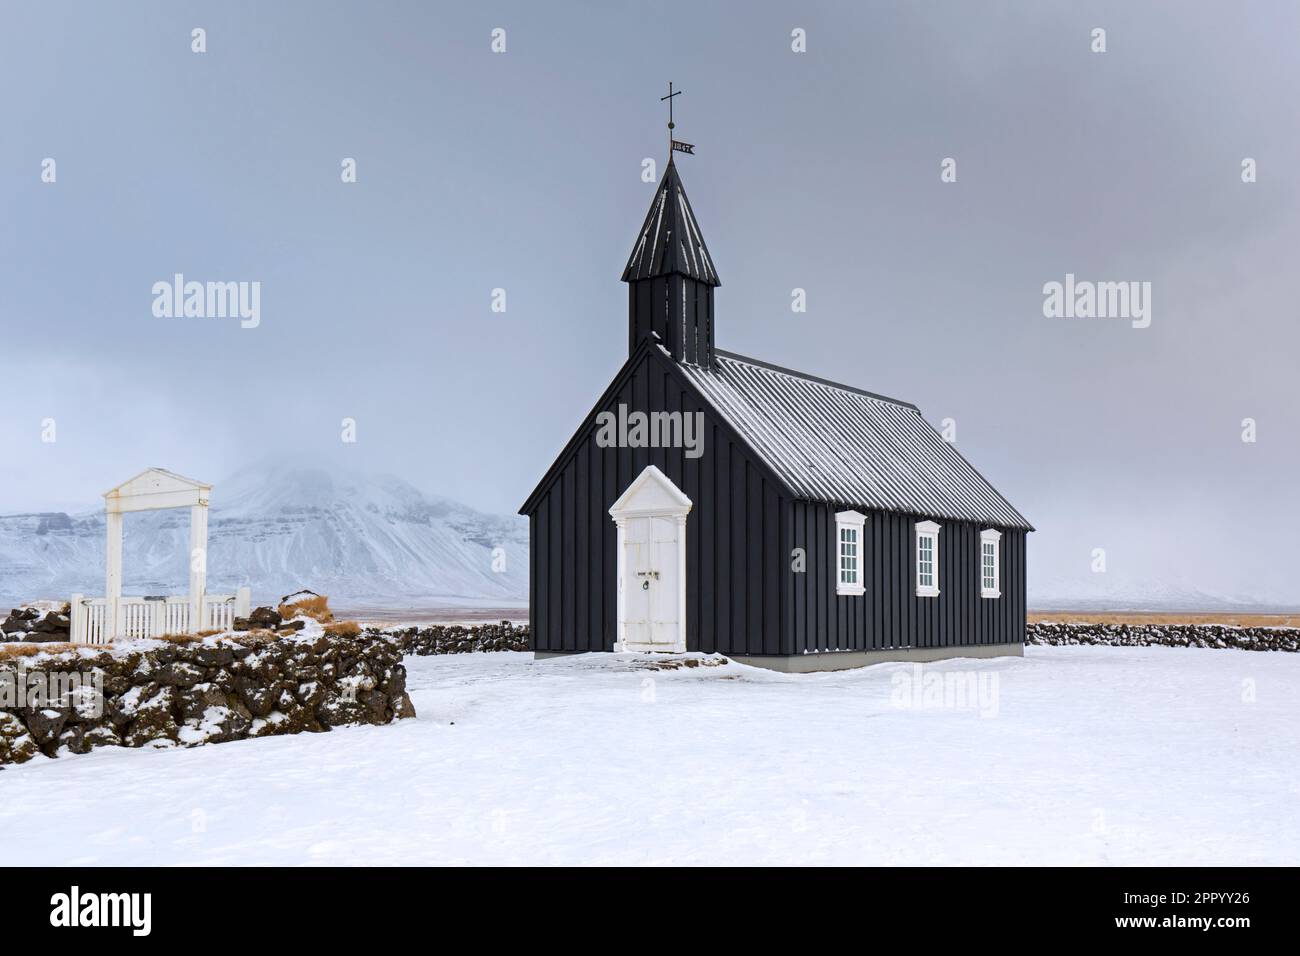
(832,443)
(670,240)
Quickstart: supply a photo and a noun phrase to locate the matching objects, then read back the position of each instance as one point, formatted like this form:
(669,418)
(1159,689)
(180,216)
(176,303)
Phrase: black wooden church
(712,502)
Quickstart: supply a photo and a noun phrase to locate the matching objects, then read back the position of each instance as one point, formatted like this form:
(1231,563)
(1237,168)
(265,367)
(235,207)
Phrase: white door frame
(652,495)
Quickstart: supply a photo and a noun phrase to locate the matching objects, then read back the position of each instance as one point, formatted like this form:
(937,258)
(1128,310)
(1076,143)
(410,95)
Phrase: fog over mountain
(375,540)
(362,539)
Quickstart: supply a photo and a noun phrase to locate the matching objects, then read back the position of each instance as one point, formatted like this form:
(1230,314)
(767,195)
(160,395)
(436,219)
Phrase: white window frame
(993,537)
(927,530)
(850,521)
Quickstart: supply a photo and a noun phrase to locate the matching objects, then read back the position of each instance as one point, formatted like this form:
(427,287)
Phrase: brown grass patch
(317,608)
(1158,617)
(20,649)
(343,629)
(178,638)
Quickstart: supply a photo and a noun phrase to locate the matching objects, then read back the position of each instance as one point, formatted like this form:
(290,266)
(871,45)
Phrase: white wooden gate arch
(100,620)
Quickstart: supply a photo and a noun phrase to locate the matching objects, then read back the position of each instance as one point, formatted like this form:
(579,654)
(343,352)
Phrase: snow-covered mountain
(377,541)
(1116,591)
(362,539)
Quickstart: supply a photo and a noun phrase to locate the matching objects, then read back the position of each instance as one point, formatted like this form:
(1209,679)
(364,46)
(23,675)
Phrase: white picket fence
(154,616)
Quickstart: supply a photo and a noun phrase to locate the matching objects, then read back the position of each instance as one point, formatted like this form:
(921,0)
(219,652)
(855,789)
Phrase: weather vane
(672,143)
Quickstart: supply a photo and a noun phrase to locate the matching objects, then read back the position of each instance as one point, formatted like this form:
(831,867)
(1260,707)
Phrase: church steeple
(670,277)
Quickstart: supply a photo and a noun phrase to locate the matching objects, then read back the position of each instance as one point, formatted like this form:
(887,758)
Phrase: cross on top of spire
(674,145)
(669,98)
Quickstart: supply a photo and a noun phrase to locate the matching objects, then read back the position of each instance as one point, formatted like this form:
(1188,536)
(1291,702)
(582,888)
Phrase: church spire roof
(670,241)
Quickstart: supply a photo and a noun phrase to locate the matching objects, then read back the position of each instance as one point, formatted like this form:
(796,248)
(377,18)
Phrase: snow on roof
(670,241)
(832,443)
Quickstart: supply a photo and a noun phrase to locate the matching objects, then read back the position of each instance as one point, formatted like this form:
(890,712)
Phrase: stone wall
(461,639)
(456,638)
(36,624)
(186,693)
(1171,635)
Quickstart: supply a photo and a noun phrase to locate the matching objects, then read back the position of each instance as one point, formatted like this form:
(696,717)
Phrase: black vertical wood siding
(743,596)
(889,614)
(734,597)
(679,310)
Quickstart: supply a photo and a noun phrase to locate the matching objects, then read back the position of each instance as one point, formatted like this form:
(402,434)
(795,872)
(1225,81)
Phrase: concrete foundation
(844,660)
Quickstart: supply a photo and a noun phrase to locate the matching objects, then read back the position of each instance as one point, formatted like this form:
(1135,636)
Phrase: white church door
(650,582)
(651,519)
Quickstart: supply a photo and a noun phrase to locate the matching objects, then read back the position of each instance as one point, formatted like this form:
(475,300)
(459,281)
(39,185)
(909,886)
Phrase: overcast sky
(522,170)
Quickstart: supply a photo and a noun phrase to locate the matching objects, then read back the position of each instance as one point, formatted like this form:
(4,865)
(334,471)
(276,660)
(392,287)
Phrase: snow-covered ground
(1073,755)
